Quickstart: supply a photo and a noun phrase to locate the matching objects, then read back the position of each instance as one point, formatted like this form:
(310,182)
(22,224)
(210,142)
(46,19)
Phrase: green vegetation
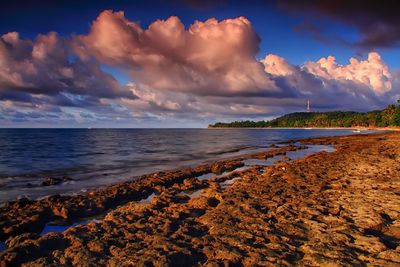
(390,116)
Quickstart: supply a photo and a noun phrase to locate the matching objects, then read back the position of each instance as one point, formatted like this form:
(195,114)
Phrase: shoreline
(175,217)
(41,184)
(315,128)
(65,207)
(239,156)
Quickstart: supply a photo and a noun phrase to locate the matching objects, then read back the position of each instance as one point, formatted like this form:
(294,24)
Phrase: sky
(159,63)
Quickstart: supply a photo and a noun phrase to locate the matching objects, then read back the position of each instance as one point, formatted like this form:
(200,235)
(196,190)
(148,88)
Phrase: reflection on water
(291,155)
(92,158)
(56,228)
(206,176)
(229,182)
(194,194)
(148,199)
(59,228)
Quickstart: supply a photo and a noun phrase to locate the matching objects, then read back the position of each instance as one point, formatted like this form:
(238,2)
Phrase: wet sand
(337,208)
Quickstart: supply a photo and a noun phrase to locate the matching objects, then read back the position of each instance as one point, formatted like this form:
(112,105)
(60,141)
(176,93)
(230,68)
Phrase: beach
(339,206)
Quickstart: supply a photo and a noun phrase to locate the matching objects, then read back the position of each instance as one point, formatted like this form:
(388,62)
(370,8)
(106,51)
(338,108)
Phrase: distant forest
(390,116)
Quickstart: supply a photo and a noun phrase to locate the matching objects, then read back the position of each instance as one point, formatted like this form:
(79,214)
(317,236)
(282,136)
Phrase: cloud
(46,66)
(202,72)
(377,22)
(361,84)
(372,72)
(278,66)
(209,58)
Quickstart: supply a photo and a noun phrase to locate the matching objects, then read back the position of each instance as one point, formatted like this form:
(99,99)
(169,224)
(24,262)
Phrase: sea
(86,159)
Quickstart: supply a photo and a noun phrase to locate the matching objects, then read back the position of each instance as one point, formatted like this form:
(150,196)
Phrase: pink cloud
(371,72)
(277,65)
(205,70)
(361,84)
(209,58)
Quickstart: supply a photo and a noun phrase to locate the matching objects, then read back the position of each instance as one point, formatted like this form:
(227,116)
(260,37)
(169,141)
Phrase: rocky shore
(337,208)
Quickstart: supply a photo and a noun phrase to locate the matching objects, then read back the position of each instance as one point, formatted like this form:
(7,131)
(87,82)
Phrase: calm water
(96,157)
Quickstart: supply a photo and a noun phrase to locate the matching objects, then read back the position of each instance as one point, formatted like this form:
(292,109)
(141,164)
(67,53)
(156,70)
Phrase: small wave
(227,151)
(94,159)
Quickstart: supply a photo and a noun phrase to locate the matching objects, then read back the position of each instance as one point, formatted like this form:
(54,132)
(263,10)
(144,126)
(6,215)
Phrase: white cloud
(372,72)
(205,71)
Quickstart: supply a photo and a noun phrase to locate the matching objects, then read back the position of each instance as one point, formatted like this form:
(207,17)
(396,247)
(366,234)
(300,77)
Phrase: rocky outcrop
(48,181)
(277,152)
(328,209)
(28,216)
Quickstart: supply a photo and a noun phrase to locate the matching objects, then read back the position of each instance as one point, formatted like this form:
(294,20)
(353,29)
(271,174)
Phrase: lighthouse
(308,105)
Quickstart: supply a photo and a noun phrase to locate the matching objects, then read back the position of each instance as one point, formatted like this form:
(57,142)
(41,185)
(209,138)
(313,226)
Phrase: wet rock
(24,215)
(390,255)
(60,212)
(370,244)
(48,181)
(277,152)
(220,167)
(14,241)
(96,246)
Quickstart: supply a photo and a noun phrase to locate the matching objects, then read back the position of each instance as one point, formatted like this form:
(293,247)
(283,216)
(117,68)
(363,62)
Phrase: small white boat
(356,131)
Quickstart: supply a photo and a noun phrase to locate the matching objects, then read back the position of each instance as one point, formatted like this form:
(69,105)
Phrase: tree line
(390,116)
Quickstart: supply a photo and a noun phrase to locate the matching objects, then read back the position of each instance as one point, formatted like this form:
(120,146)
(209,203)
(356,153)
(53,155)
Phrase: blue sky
(297,35)
(275,26)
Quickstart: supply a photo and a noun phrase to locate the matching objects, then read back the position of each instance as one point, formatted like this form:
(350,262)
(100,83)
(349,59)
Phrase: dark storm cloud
(46,66)
(377,21)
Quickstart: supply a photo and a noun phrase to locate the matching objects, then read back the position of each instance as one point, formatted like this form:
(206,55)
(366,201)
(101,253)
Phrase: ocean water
(91,158)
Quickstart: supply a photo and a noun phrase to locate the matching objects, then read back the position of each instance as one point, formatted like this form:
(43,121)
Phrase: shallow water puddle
(148,199)
(210,175)
(49,228)
(227,183)
(3,246)
(59,228)
(206,176)
(243,168)
(311,149)
(192,194)
(262,162)
(292,155)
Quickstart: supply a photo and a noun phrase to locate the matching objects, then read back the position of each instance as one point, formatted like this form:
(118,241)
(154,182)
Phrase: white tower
(308,105)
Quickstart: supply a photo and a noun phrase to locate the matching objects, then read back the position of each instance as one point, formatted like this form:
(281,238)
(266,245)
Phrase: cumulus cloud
(209,58)
(372,72)
(361,84)
(206,71)
(277,65)
(46,66)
